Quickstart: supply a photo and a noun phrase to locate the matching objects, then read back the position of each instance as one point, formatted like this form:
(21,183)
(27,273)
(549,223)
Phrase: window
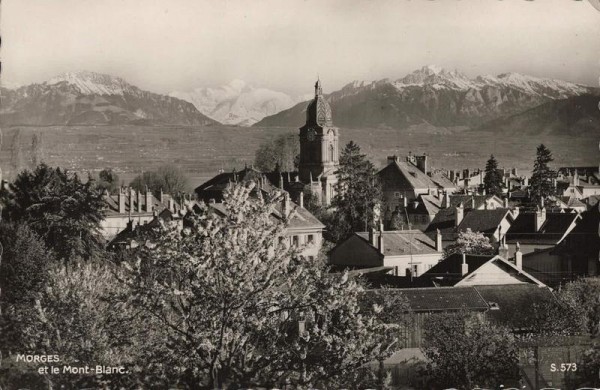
(396,195)
(310,239)
(295,240)
(331,153)
(415,270)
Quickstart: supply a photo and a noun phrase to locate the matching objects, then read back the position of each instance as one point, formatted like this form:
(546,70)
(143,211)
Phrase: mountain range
(238,103)
(428,99)
(88,98)
(437,97)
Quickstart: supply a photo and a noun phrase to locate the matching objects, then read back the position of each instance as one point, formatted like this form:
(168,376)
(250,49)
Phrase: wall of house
(111,225)
(355,252)
(310,239)
(527,248)
(491,274)
(417,263)
(547,267)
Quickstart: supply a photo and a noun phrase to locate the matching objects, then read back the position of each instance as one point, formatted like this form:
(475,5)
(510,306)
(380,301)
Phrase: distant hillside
(574,116)
(237,103)
(435,96)
(87,98)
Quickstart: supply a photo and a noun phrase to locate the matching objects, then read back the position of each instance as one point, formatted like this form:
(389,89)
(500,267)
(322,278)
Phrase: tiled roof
(214,188)
(468,200)
(409,176)
(442,181)
(444,222)
(403,242)
(112,203)
(514,303)
(485,221)
(449,271)
(442,299)
(552,230)
(298,218)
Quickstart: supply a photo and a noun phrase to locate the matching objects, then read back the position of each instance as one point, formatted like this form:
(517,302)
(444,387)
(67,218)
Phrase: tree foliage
(238,307)
(358,194)
(108,180)
(583,298)
(470,243)
(282,152)
(168,178)
(81,317)
(465,352)
(541,180)
(24,264)
(492,181)
(64,211)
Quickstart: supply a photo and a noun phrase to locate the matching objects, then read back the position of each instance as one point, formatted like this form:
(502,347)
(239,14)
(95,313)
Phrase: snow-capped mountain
(237,103)
(88,98)
(436,96)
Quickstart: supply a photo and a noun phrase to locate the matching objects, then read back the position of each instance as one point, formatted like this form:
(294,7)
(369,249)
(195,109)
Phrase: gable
(495,272)
(355,252)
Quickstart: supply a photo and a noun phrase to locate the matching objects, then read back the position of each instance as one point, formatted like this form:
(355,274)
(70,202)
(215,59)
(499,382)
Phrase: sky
(178,45)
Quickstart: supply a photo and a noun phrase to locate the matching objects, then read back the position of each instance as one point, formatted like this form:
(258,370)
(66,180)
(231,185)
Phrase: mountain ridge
(434,95)
(89,98)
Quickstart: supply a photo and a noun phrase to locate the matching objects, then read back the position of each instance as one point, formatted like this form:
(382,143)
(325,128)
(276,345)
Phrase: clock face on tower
(310,135)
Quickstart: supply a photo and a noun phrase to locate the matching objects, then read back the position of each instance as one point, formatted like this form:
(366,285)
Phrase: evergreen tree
(492,182)
(358,194)
(541,180)
(61,209)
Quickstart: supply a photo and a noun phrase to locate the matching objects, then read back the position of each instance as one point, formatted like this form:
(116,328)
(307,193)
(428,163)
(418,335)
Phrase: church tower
(319,148)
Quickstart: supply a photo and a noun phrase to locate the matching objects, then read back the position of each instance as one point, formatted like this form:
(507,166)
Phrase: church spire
(318,88)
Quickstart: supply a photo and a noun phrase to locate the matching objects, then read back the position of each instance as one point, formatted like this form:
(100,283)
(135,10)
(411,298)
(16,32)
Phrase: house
(131,207)
(539,230)
(460,270)
(416,214)
(579,182)
(476,202)
(302,228)
(565,204)
(404,181)
(493,223)
(406,252)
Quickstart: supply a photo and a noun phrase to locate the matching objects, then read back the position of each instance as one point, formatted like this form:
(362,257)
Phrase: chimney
(148,201)
(121,201)
(405,201)
(459,213)
(380,242)
(503,250)
(285,205)
(446,199)
(171,204)
(464,267)
(519,257)
(515,212)
(438,240)
(301,199)
(392,159)
(576,178)
(505,203)
(483,192)
(140,200)
(161,198)
(540,218)
(473,202)
(422,163)
(372,239)
(514,171)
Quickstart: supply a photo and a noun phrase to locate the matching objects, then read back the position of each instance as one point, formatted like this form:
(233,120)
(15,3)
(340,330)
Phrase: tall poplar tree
(541,180)
(358,194)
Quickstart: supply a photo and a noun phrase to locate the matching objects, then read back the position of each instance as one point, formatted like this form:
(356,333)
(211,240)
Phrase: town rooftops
(443,299)
(214,188)
(137,201)
(402,242)
(553,229)
(484,221)
(473,201)
(451,271)
(298,217)
(408,175)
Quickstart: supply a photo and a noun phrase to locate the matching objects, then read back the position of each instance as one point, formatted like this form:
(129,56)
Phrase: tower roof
(318,111)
